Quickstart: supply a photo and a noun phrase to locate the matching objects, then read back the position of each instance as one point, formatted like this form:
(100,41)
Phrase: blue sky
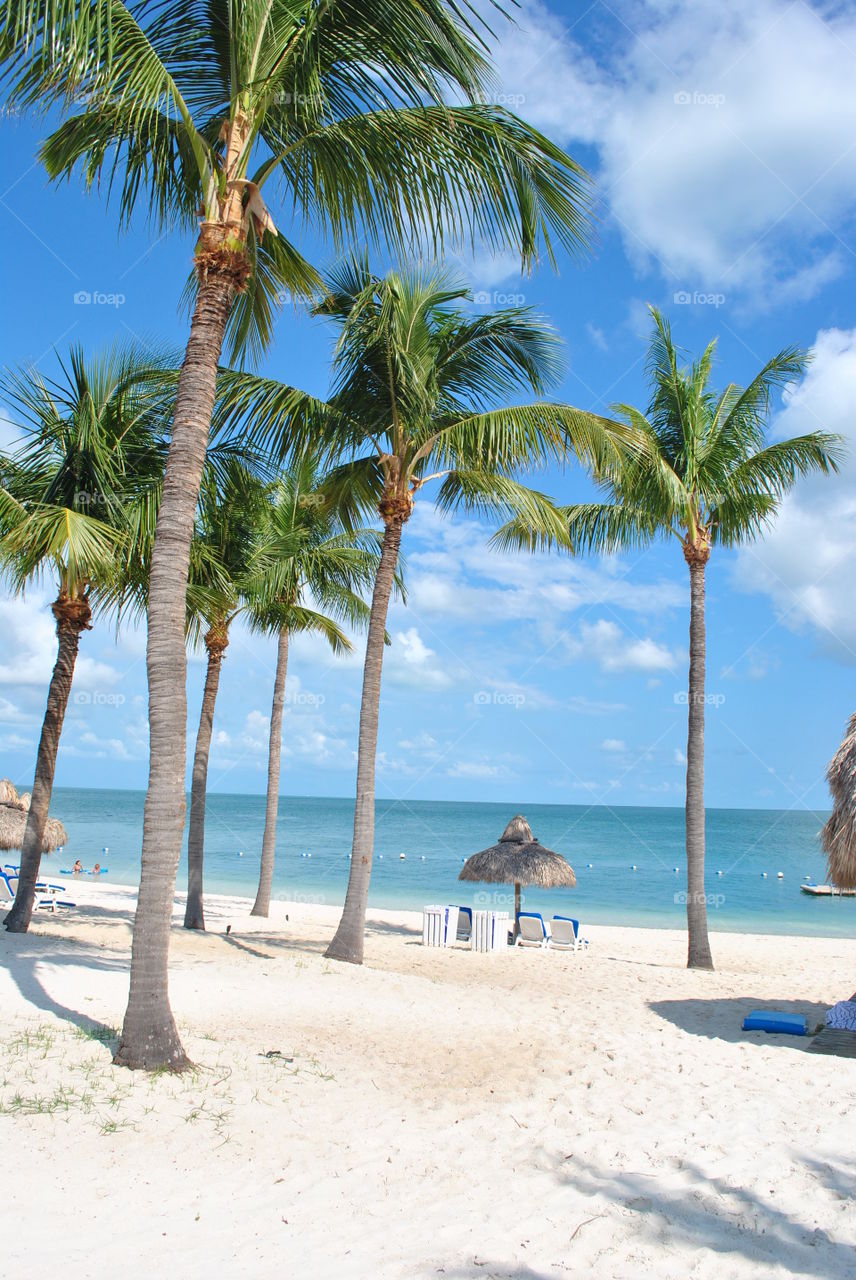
(722,141)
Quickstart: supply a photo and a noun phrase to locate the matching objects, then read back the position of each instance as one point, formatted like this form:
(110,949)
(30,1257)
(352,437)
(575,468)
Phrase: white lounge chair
(565,934)
(465,924)
(531,930)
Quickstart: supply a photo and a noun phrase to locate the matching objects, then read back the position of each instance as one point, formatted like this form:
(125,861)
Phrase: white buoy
(633,867)
(806,878)
(105,850)
(240,853)
(676,869)
(423,857)
(780,875)
(589,865)
(763,875)
(719,873)
(401,857)
(380,855)
(309,855)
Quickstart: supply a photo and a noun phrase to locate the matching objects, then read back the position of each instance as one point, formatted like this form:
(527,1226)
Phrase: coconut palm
(703,473)
(193,109)
(76,497)
(418,391)
(230,510)
(309,575)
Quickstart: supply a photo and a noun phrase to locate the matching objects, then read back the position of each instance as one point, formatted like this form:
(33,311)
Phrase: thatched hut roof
(518,858)
(13,821)
(838,836)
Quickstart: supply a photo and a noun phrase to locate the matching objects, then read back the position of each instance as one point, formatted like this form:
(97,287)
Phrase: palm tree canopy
(700,468)
(419,392)
(345,107)
(80,490)
(308,572)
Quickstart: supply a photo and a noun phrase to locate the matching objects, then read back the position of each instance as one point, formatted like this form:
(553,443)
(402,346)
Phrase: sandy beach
(434,1113)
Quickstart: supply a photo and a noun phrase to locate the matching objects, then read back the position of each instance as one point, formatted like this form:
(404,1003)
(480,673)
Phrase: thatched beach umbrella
(519,859)
(838,837)
(13,821)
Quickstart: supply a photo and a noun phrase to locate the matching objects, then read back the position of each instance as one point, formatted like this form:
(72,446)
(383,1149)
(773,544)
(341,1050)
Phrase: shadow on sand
(722,1019)
(720,1217)
(22,954)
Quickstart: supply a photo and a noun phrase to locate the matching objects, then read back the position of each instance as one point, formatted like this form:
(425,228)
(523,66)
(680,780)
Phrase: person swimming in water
(77,868)
(96,870)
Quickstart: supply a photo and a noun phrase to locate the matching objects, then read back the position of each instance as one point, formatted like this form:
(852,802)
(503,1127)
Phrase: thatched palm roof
(838,837)
(518,858)
(13,821)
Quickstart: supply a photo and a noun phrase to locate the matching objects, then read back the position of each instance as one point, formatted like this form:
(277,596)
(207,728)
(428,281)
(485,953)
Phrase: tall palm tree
(194,107)
(703,473)
(230,510)
(309,576)
(75,497)
(418,395)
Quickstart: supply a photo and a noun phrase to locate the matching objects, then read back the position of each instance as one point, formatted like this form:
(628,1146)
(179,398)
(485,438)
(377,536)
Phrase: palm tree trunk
(261,906)
(72,617)
(149,1035)
(350,935)
(194,914)
(699,956)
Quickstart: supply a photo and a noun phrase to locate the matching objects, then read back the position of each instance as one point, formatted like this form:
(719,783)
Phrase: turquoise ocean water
(741,843)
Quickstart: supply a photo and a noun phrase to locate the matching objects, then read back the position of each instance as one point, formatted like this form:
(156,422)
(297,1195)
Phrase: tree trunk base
(264,912)
(701,962)
(341,950)
(152,1051)
(17,921)
(195,922)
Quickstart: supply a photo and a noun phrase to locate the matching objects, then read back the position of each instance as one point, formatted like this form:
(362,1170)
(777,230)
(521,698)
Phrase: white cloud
(613,744)
(615,650)
(805,562)
(476,769)
(30,643)
(725,132)
(412,662)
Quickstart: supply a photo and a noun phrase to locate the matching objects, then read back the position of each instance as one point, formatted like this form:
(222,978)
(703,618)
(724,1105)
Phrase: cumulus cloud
(805,563)
(724,132)
(616,650)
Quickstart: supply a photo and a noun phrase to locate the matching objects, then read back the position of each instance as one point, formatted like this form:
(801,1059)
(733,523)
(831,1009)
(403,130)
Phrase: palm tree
(417,386)
(230,509)
(194,108)
(305,558)
(76,497)
(701,472)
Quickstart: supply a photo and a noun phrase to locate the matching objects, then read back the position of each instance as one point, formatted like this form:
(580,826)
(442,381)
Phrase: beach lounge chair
(7,893)
(465,924)
(565,934)
(532,931)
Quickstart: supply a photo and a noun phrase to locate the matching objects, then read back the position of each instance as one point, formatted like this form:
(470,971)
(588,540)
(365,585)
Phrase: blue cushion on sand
(792,1024)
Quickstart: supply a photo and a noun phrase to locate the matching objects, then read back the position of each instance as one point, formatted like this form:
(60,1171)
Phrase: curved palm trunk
(699,956)
(350,935)
(149,1036)
(216,642)
(72,617)
(261,906)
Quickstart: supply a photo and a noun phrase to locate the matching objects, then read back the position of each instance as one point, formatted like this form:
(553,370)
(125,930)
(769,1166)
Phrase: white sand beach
(434,1113)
